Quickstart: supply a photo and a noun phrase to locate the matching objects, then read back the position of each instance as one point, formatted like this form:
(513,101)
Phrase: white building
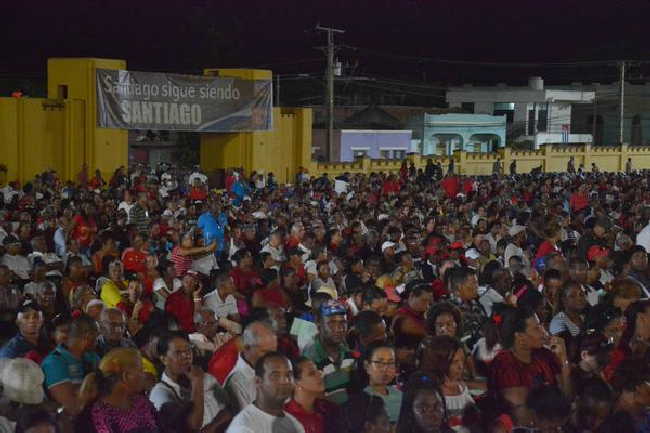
(534,114)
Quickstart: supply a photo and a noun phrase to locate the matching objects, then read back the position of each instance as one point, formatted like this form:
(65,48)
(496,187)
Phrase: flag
(565,133)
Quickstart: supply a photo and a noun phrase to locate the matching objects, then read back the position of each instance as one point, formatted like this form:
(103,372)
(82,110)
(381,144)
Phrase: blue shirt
(60,366)
(17,347)
(213,229)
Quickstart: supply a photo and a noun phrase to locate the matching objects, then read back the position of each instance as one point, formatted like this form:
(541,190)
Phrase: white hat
(22,381)
(472,253)
(516,229)
(387,244)
(94,303)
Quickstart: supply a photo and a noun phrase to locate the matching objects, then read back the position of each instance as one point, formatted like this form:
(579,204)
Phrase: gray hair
(250,337)
(107,311)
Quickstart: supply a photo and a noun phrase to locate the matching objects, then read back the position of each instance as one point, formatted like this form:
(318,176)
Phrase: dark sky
(185,36)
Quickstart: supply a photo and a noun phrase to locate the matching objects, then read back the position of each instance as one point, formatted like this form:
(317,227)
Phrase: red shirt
(245,281)
(313,422)
(230,180)
(390,187)
(83,230)
(545,248)
(198,193)
(506,371)
(134,260)
(619,355)
(292,243)
(451,185)
(182,308)
(224,360)
(578,201)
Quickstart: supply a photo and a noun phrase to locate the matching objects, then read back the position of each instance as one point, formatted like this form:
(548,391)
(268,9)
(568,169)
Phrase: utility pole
(622,104)
(593,123)
(330,85)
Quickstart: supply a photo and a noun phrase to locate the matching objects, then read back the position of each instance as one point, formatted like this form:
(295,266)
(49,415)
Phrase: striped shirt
(181,263)
(561,323)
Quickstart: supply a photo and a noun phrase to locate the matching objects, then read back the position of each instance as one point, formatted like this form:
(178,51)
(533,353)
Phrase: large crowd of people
(413,302)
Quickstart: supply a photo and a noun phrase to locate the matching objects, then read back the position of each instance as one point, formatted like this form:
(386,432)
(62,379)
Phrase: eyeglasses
(385,365)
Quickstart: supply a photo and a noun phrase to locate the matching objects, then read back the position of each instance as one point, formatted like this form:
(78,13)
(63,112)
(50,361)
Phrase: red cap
(457,245)
(596,251)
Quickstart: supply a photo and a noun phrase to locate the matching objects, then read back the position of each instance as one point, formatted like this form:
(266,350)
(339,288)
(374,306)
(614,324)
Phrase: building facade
(534,114)
(442,134)
(602,119)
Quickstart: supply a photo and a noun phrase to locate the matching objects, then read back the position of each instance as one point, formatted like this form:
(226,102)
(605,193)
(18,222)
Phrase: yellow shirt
(148,367)
(111,295)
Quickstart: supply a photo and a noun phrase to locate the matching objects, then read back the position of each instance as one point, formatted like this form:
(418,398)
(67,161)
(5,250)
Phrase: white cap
(387,244)
(472,253)
(22,381)
(516,229)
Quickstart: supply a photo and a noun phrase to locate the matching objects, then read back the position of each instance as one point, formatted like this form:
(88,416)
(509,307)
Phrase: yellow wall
(280,151)
(550,158)
(104,148)
(36,135)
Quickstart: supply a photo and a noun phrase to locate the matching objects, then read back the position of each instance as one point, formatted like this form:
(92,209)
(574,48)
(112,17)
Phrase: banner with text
(161,101)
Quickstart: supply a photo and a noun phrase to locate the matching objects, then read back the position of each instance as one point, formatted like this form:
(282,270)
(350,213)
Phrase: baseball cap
(458,245)
(22,381)
(332,308)
(596,251)
(516,229)
(472,254)
(387,244)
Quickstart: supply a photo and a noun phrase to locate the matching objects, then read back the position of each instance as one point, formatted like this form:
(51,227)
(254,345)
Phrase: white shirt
(277,253)
(340,186)
(643,238)
(48,259)
(127,207)
(240,383)
(253,420)
(169,391)
(196,175)
(59,242)
(489,298)
(221,308)
(514,250)
(19,265)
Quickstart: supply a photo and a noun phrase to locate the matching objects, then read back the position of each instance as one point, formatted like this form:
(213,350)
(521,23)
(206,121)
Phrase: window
(467,107)
(507,108)
(360,153)
(385,154)
(542,119)
(399,154)
(531,122)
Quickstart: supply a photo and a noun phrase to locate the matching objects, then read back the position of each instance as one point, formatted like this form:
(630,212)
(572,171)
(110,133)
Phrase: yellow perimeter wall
(60,133)
(550,158)
(41,134)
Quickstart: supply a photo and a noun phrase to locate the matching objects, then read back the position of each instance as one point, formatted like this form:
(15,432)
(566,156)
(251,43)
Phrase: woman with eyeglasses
(381,367)
(423,407)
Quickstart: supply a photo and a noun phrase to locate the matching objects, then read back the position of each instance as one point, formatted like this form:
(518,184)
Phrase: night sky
(383,37)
